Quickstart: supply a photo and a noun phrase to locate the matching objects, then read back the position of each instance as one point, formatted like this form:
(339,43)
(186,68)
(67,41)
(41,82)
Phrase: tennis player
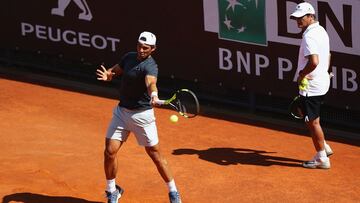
(134,113)
(313,63)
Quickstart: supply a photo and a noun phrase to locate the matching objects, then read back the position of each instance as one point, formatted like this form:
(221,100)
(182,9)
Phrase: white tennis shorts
(140,122)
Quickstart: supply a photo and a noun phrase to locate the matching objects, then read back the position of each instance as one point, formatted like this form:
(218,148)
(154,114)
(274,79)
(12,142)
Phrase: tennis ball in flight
(304,84)
(174,118)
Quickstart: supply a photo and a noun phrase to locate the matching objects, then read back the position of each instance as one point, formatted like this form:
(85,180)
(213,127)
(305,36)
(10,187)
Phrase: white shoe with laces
(317,163)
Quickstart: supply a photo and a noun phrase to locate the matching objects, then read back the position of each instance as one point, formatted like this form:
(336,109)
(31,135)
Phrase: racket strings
(187,104)
(296,109)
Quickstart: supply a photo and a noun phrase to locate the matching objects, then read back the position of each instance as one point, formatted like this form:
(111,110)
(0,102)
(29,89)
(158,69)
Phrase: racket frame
(171,99)
(291,108)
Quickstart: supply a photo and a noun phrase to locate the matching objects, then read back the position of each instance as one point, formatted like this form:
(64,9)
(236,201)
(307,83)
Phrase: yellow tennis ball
(174,118)
(304,84)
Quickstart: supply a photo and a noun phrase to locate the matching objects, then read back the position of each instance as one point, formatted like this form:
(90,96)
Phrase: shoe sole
(316,167)
(329,154)
(121,192)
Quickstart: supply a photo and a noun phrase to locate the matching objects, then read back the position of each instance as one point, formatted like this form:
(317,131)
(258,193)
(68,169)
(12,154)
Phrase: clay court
(51,151)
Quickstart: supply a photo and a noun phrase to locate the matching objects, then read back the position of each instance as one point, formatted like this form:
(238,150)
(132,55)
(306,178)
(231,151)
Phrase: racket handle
(160,102)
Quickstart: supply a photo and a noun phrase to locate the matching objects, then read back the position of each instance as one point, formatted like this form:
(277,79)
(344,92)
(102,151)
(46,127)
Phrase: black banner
(191,44)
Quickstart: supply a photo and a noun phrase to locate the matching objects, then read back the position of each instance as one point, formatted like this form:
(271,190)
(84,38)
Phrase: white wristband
(153,94)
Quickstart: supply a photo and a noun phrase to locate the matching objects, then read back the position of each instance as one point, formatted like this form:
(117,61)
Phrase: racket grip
(160,102)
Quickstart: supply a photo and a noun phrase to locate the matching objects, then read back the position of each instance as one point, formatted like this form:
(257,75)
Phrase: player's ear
(153,48)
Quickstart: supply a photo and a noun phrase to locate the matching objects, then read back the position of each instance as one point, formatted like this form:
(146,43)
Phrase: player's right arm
(313,61)
(108,74)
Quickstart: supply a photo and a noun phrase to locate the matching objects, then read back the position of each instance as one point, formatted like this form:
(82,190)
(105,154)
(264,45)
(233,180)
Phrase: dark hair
(314,16)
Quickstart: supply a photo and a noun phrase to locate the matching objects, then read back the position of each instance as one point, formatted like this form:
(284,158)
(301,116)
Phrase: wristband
(153,94)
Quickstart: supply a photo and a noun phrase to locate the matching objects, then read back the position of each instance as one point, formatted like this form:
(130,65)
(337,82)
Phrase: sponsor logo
(82,4)
(70,37)
(242,21)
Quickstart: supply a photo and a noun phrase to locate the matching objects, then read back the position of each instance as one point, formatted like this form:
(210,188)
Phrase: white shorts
(140,122)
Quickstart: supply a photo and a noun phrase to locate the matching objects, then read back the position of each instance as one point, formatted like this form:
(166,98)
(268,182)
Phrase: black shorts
(311,106)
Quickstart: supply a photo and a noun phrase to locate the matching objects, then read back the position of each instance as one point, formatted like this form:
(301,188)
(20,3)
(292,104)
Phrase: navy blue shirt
(133,90)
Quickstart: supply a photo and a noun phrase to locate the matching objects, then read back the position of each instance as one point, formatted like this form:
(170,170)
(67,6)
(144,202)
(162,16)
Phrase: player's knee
(109,154)
(156,156)
(152,151)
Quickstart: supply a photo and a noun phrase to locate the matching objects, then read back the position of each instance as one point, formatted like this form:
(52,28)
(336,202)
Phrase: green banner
(243,21)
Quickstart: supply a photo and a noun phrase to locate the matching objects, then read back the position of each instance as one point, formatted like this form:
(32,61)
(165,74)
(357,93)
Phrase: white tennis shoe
(328,150)
(317,163)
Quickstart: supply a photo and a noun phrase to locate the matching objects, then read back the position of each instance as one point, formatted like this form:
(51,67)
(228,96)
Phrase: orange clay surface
(51,150)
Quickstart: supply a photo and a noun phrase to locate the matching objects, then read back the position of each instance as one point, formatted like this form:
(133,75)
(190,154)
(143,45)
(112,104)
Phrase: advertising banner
(239,44)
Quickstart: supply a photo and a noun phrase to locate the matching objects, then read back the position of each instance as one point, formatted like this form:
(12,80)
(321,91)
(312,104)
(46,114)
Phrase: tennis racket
(184,101)
(295,108)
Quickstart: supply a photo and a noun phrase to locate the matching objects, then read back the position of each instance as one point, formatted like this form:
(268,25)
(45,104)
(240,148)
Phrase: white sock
(110,185)
(171,186)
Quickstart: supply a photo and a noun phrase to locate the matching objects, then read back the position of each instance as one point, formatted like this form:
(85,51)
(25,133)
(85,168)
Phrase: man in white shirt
(313,65)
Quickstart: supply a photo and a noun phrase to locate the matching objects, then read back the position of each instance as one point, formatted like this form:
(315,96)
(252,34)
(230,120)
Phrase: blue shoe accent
(174,197)
(114,197)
